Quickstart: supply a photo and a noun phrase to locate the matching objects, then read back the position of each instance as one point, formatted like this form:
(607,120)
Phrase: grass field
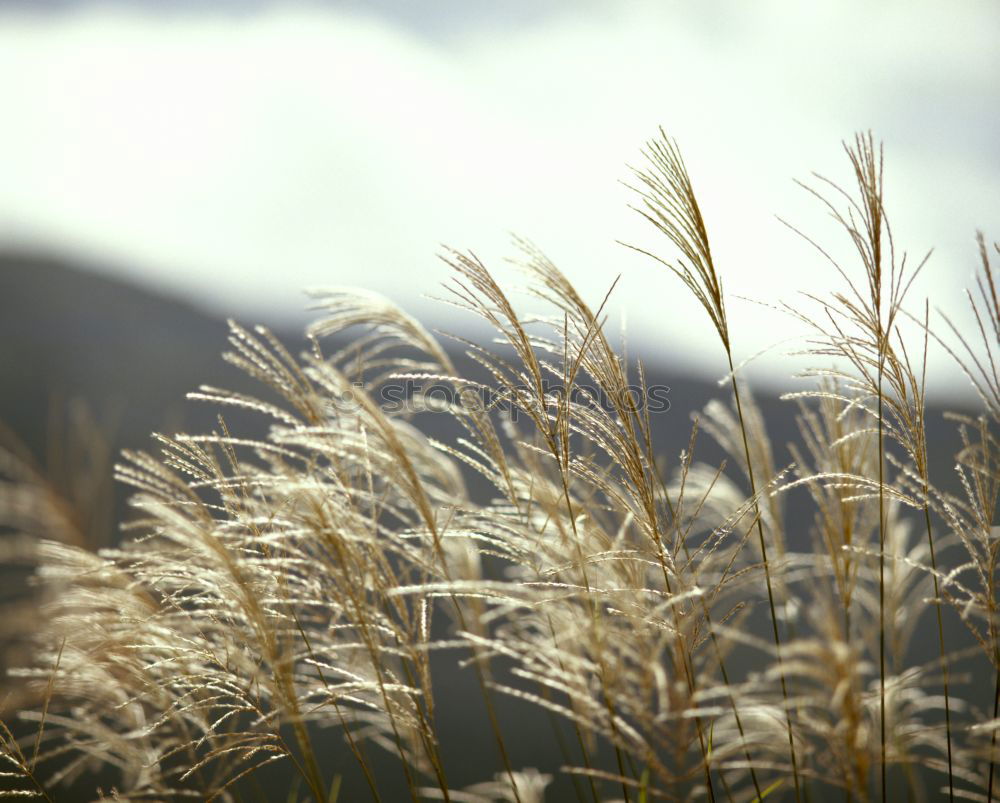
(680,634)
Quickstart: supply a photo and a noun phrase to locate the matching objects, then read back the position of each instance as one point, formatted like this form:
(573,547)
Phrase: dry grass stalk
(316,577)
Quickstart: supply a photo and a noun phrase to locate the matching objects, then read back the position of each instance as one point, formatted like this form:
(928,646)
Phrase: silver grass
(315,578)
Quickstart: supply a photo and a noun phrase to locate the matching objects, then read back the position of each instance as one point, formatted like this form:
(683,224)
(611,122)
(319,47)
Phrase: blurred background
(165,164)
(232,152)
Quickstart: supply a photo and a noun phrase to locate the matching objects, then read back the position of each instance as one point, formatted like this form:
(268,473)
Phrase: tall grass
(319,577)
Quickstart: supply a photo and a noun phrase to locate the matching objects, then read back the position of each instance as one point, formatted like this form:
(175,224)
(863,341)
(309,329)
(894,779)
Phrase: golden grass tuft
(689,639)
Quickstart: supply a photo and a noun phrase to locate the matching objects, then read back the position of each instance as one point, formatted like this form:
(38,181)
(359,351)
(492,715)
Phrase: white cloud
(246,157)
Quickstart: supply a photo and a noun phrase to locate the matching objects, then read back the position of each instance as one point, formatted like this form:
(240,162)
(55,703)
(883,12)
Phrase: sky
(237,152)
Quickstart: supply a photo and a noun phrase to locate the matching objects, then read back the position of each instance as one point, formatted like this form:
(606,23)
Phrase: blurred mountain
(69,334)
(79,349)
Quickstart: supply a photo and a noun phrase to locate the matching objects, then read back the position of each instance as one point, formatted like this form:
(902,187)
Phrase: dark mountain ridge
(131,355)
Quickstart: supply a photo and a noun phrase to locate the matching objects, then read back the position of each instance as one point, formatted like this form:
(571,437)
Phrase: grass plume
(297,594)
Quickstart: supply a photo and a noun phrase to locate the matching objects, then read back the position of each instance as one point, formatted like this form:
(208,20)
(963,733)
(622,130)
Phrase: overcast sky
(238,152)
